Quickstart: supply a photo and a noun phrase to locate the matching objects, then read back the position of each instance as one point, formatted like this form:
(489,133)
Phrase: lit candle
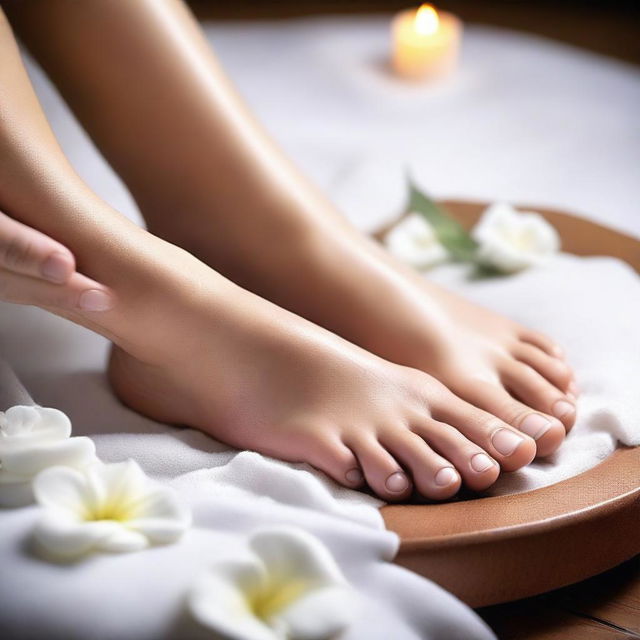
(425,42)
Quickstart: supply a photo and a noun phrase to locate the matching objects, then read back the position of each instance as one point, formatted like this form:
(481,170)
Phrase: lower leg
(39,188)
(196,349)
(148,89)
(208,178)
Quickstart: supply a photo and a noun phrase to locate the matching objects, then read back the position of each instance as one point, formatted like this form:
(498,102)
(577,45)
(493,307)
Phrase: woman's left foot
(497,365)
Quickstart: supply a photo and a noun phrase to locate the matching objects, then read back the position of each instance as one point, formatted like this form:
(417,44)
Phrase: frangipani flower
(106,507)
(510,241)
(32,439)
(414,241)
(292,588)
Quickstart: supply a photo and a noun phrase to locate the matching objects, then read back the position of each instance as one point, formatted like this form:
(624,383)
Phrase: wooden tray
(492,550)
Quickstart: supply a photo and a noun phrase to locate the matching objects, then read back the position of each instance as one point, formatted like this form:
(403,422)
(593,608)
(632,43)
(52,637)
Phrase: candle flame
(427,20)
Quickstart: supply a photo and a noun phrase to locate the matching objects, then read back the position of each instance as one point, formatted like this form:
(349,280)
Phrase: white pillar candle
(425,42)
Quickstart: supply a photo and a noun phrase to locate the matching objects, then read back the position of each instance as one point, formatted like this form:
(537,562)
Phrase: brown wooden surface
(492,550)
(607,606)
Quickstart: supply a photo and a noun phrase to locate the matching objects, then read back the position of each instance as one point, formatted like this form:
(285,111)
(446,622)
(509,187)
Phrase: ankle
(155,286)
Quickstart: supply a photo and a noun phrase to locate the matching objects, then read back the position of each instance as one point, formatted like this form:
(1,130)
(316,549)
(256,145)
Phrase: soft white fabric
(521,121)
(141,595)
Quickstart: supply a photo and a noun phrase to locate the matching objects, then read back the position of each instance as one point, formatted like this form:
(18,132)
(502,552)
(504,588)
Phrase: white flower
(292,588)
(510,241)
(32,439)
(413,240)
(105,507)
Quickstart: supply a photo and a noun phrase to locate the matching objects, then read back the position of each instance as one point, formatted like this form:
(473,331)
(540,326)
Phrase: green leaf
(451,234)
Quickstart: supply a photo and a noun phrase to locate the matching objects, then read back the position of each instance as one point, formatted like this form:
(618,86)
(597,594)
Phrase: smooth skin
(37,270)
(150,92)
(208,178)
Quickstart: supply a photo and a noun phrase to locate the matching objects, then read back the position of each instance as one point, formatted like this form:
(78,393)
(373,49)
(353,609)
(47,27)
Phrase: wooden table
(606,607)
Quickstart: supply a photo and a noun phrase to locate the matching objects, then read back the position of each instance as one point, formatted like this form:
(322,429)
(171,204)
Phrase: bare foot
(346,283)
(258,377)
(500,366)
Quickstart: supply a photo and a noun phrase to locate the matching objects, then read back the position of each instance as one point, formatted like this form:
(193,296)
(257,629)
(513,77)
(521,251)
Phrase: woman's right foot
(258,377)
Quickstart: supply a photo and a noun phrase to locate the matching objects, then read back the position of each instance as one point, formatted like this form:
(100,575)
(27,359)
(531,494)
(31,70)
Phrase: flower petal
(544,237)
(63,489)
(19,420)
(159,502)
(290,552)
(28,461)
(65,537)
(320,614)
(511,241)
(162,517)
(124,483)
(414,241)
(121,539)
(43,423)
(220,601)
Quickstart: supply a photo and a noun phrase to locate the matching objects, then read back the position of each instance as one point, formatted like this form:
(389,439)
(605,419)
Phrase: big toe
(541,341)
(546,431)
(511,448)
(552,368)
(538,393)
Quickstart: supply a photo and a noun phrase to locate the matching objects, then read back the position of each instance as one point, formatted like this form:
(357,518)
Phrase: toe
(556,371)
(477,469)
(542,342)
(335,458)
(537,392)
(511,448)
(381,470)
(548,432)
(433,475)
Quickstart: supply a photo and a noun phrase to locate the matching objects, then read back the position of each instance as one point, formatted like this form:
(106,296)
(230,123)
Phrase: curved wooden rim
(485,550)
(558,505)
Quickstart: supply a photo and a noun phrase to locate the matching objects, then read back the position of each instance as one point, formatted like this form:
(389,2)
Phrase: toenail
(535,425)
(573,388)
(562,408)
(571,397)
(481,462)
(557,351)
(446,476)
(506,442)
(95,300)
(354,476)
(397,482)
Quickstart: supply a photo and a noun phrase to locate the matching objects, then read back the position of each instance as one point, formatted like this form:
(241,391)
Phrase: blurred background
(611,27)
(542,109)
